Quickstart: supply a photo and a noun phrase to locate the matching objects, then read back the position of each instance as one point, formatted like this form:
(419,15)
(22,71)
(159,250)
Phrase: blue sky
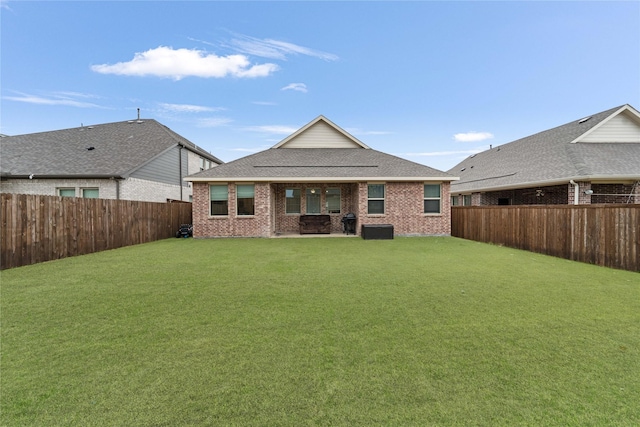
(428,81)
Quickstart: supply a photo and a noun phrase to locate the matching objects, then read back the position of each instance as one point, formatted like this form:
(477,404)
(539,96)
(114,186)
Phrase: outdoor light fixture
(588,192)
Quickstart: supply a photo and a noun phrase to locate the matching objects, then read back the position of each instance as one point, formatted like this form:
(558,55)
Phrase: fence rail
(42,228)
(606,235)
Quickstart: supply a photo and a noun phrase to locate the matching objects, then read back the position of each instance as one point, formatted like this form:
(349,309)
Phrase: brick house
(319,170)
(595,159)
(131,160)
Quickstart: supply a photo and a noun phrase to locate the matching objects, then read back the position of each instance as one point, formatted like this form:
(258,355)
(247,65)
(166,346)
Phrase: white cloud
(213,122)
(274,129)
(268,103)
(57,98)
(187,108)
(472,136)
(165,61)
(275,49)
(300,87)
(356,131)
(443,153)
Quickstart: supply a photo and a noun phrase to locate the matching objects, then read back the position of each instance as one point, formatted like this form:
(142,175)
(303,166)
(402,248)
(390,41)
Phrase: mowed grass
(295,332)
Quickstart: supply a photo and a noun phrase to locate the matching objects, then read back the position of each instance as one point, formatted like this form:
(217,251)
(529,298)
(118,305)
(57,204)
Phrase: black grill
(349,223)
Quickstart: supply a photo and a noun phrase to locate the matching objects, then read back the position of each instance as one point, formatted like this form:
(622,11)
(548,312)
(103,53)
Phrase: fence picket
(606,235)
(42,228)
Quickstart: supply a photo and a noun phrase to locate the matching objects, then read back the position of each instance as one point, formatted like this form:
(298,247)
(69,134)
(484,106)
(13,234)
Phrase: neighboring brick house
(595,159)
(131,160)
(319,170)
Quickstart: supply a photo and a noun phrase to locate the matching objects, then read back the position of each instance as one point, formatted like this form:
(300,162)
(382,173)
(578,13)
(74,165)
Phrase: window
(90,193)
(454,200)
(67,192)
(201,164)
(292,200)
(245,197)
(219,196)
(333,200)
(432,198)
(313,200)
(375,199)
(466,200)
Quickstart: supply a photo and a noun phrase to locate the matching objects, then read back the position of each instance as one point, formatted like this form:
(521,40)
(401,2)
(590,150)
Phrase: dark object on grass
(186,230)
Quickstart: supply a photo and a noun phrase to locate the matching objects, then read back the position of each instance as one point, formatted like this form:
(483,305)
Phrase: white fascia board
(323,179)
(559,181)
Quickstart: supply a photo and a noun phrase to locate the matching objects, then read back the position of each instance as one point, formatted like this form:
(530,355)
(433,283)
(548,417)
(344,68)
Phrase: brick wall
(48,187)
(403,206)
(552,195)
(130,189)
(257,225)
(404,209)
(615,193)
(565,194)
(150,191)
(289,223)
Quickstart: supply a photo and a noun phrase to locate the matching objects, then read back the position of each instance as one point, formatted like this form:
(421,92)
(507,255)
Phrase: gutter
(302,179)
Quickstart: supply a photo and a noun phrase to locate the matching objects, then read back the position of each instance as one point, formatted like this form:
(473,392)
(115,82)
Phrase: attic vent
(463,169)
(91,148)
(584,120)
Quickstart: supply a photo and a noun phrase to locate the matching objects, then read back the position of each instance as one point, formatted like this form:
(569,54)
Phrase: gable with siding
(623,127)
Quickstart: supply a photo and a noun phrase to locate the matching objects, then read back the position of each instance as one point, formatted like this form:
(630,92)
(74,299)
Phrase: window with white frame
(313,201)
(219,199)
(454,200)
(432,198)
(375,199)
(466,200)
(245,195)
(332,199)
(90,193)
(292,200)
(67,192)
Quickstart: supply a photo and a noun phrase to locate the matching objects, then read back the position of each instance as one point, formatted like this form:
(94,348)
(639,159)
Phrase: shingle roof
(278,164)
(548,156)
(112,149)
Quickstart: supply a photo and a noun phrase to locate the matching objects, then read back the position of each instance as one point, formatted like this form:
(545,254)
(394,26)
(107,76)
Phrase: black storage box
(376,231)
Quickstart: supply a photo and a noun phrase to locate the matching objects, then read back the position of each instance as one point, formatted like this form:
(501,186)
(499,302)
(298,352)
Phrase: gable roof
(320,133)
(558,155)
(320,152)
(106,150)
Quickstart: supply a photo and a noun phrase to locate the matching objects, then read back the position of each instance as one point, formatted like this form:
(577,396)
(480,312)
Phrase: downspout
(180,169)
(576,191)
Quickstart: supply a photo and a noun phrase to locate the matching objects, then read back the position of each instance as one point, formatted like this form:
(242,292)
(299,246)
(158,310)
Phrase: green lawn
(295,332)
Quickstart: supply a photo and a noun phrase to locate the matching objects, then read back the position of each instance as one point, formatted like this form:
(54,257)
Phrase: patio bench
(315,224)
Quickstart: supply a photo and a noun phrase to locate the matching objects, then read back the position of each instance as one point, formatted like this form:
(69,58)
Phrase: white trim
(626,107)
(303,179)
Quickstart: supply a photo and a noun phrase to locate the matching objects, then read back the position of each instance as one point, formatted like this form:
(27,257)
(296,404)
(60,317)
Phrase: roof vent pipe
(138,114)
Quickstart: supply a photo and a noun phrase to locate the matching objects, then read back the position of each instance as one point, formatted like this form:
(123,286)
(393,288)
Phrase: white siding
(620,128)
(321,135)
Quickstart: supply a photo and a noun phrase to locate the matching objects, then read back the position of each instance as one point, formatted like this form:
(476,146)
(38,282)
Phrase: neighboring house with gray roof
(595,159)
(130,160)
(319,170)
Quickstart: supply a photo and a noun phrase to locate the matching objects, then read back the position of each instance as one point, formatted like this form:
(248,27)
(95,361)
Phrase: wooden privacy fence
(606,235)
(42,228)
